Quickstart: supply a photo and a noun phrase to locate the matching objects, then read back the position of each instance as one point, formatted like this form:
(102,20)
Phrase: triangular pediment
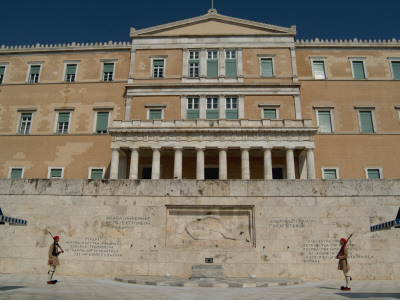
(213,24)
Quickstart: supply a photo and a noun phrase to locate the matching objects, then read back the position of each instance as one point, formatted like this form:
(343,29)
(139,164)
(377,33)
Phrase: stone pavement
(34,287)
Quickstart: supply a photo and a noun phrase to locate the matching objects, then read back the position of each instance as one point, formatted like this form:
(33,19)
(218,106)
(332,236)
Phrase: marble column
(303,165)
(245,164)
(134,167)
(200,164)
(114,163)
(310,164)
(223,166)
(155,166)
(178,163)
(267,164)
(290,172)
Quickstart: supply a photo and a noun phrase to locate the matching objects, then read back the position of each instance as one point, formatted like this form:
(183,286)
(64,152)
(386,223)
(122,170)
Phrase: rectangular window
(269,113)
(395,69)
(96,173)
(158,68)
(231,111)
(34,73)
(25,123)
(63,122)
(194,64)
(193,108)
(230,63)
(108,71)
(358,69)
(212,108)
(70,72)
(212,63)
(267,67)
(56,173)
(318,69)
(2,72)
(373,173)
(330,174)
(155,114)
(102,121)
(16,173)
(324,121)
(366,121)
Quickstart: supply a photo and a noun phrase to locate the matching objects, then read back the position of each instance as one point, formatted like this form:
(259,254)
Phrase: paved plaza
(35,287)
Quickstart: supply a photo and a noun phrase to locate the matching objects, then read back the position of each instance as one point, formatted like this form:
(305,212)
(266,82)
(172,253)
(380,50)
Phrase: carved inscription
(94,247)
(290,222)
(126,222)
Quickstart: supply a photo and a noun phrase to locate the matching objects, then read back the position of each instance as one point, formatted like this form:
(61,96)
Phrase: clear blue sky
(27,22)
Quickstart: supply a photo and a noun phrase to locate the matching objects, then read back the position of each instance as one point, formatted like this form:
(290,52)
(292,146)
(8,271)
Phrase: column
(114,163)
(294,64)
(178,163)
(222,107)
(239,63)
(200,164)
(223,166)
(202,107)
(134,167)
(290,173)
(297,107)
(155,166)
(245,164)
(131,65)
(221,63)
(128,105)
(302,165)
(267,164)
(203,63)
(310,164)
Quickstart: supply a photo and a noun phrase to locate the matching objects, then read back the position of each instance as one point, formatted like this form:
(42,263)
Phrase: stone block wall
(282,228)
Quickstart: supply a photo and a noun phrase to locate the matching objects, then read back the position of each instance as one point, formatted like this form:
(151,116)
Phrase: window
(358,68)
(324,119)
(269,113)
(192,108)
(25,123)
(2,72)
(267,67)
(212,63)
(212,108)
(366,119)
(395,65)
(102,121)
(330,173)
(16,173)
(96,173)
(230,63)
(373,173)
(34,73)
(231,111)
(70,72)
(318,69)
(63,122)
(155,114)
(194,64)
(55,173)
(108,71)
(158,68)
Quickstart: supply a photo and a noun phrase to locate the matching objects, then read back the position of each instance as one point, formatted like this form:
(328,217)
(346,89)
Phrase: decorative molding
(354,43)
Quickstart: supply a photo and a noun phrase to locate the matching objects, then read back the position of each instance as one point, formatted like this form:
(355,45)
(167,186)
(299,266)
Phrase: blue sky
(27,22)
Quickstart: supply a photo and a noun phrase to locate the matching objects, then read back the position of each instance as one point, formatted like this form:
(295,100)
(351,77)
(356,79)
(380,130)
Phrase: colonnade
(307,172)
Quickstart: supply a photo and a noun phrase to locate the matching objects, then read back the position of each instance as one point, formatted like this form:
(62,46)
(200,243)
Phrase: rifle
(57,243)
(341,251)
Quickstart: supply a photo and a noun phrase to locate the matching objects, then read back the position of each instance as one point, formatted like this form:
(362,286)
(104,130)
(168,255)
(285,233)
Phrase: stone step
(207,271)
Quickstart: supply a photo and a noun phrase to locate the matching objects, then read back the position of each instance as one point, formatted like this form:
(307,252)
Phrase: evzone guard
(54,251)
(343,263)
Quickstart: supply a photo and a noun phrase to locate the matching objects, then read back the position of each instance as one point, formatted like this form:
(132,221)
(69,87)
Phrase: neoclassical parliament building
(212,97)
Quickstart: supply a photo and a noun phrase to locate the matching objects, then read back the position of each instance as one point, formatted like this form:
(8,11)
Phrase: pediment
(214,24)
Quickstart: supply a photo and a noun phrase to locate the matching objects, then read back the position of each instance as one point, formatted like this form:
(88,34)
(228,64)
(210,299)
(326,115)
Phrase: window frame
(371,109)
(194,60)
(56,123)
(391,60)
(151,107)
(214,100)
(364,62)
(373,168)
(96,168)
(28,75)
(193,110)
(108,61)
(212,59)
(323,169)
(3,64)
(231,58)
(271,106)
(158,58)
(103,110)
(15,168)
(325,108)
(229,102)
(70,62)
(49,169)
(318,59)
(19,125)
(262,57)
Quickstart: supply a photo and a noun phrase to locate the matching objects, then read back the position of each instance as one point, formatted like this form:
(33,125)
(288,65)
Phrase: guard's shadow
(9,288)
(350,294)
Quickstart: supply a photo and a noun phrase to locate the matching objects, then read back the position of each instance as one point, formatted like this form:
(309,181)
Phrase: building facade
(212,97)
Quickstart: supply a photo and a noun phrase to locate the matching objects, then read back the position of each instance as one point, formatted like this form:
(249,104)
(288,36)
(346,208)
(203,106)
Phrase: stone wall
(285,228)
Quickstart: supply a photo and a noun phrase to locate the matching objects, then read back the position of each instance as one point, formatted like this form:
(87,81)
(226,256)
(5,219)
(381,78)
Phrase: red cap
(56,237)
(343,240)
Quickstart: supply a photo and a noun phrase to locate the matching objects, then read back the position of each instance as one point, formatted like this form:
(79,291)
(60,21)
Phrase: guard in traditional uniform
(54,252)
(343,264)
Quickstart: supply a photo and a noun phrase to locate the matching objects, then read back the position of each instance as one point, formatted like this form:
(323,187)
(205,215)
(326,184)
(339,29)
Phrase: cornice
(354,43)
